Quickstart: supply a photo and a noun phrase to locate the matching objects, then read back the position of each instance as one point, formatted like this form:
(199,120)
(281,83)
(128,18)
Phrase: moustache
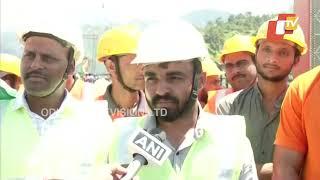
(166,97)
(36,73)
(238,76)
(268,65)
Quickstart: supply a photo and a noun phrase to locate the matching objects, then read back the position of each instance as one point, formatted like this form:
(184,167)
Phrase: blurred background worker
(237,57)
(260,104)
(81,85)
(116,49)
(213,81)
(75,86)
(10,70)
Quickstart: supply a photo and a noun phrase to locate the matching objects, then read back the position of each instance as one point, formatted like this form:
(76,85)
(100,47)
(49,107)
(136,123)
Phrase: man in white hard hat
(171,53)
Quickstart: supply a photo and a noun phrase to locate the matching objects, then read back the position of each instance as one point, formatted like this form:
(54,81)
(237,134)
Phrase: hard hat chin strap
(195,87)
(65,75)
(120,78)
(58,86)
(193,94)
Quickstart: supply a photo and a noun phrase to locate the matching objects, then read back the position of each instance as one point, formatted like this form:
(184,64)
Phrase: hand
(265,171)
(116,172)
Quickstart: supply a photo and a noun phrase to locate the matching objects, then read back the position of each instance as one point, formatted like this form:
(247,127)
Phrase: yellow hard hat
(10,64)
(238,43)
(296,37)
(118,40)
(210,68)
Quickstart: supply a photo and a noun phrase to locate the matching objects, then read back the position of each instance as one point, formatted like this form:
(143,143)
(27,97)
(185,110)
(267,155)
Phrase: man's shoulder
(230,98)
(226,103)
(306,82)
(238,95)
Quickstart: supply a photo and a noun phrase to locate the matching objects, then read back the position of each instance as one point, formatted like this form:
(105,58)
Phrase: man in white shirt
(45,134)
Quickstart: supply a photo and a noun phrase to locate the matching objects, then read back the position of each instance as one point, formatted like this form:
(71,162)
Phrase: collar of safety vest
(199,130)
(21,102)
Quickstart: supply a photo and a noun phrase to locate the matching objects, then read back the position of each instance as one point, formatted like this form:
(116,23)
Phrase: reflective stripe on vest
(216,155)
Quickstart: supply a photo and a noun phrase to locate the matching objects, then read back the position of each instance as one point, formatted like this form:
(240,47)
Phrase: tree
(215,33)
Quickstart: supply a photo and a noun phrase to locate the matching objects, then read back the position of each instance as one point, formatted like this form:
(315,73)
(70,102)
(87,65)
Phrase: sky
(16,13)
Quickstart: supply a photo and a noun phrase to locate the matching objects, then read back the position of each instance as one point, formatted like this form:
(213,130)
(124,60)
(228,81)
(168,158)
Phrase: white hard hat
(71,35)
(170,41)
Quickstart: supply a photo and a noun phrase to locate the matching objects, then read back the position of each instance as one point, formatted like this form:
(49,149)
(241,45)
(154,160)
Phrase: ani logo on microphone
(150,147)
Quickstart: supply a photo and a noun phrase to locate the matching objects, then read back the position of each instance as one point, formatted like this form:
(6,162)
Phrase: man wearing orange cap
(260,104)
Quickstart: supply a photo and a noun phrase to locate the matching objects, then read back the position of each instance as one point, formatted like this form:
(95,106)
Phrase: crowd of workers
(260,128)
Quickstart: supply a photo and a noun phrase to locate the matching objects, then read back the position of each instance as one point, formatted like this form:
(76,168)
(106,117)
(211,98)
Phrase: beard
(277,78)
(168,114)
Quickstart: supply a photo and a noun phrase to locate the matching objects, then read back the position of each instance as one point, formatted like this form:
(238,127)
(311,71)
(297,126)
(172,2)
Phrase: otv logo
(285,24)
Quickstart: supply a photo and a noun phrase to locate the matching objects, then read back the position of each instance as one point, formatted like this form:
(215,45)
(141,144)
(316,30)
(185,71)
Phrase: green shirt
(261,127)
(6,92)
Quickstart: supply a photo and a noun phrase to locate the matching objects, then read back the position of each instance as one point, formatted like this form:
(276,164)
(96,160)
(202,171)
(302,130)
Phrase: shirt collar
(107,96)
(21,102)
(112,105)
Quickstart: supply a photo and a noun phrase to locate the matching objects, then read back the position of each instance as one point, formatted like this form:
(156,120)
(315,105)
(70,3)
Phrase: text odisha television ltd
(128,112)
(285,24)
(132,112)
(47,111)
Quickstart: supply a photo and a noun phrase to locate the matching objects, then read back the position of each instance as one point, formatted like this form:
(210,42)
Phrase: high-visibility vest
(216,155)
(211,106)
(70,150)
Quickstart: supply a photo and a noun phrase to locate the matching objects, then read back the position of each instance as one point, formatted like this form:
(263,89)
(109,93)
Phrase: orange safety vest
(211,106)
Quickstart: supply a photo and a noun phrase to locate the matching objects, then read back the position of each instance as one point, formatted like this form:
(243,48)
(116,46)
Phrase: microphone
(146,149)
